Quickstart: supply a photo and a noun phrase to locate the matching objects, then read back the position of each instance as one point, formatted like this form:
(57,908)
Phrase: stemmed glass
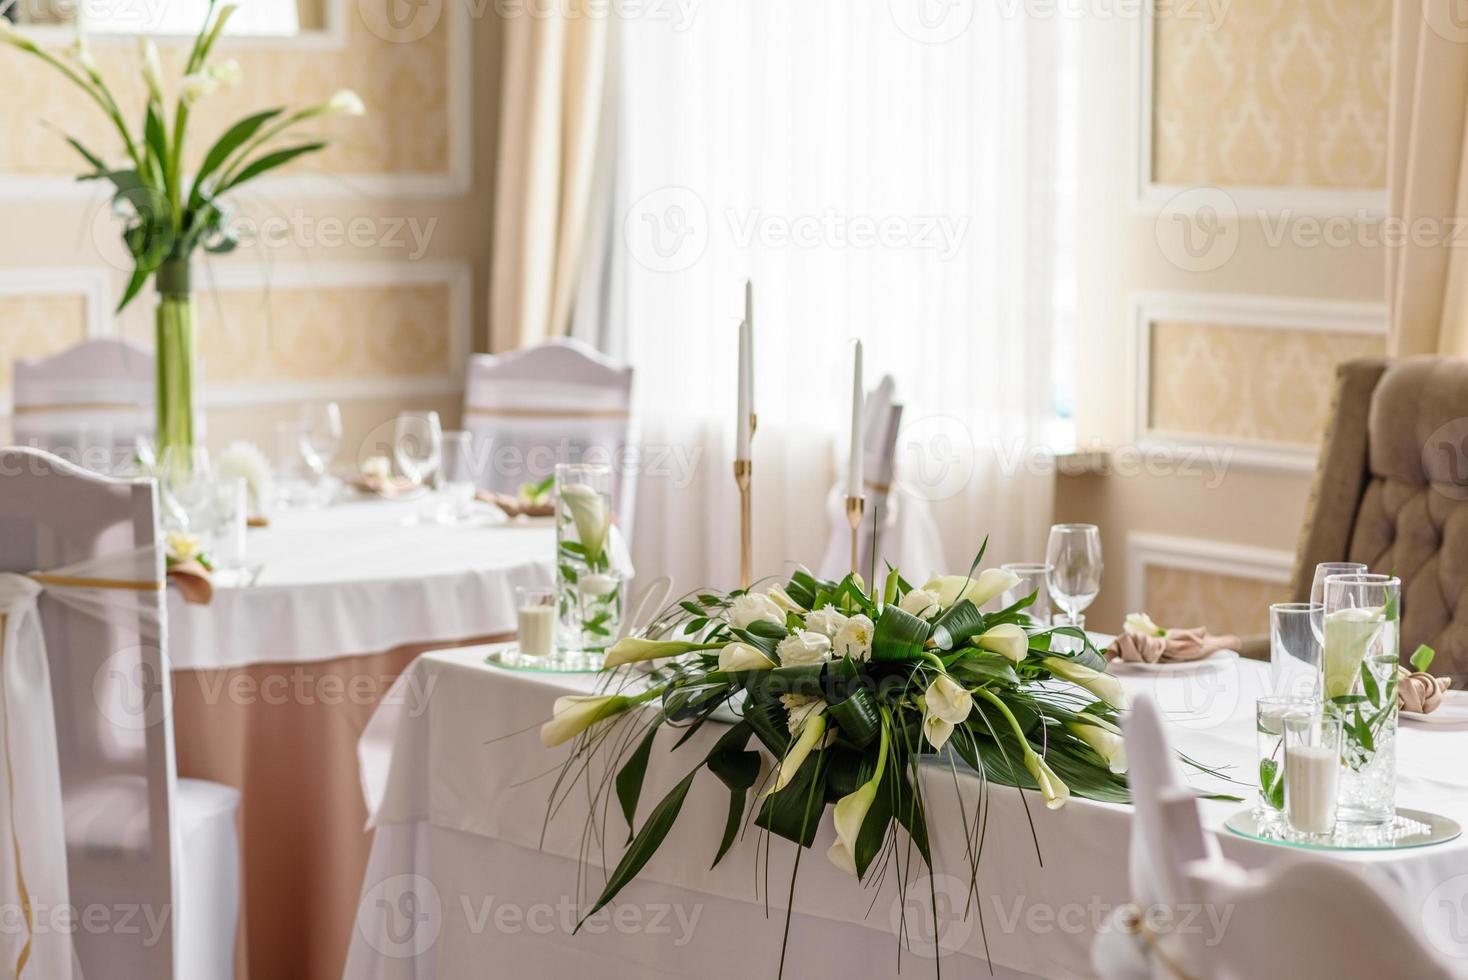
(417,446)
(1074,557)
(321,436)
(187,482)
(1325,570)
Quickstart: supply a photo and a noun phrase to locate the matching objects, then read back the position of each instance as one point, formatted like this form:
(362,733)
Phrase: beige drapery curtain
(1427,279)
(551,120)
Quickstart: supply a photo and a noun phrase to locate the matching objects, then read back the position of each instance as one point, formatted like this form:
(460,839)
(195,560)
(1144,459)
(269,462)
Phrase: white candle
(537,630)
(1310,787)
(746,391)
(749,346)
(854,470)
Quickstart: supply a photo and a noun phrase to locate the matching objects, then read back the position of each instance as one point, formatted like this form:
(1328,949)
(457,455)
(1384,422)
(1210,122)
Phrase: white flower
(754,608)
(227,73)
(922,603)
(947,699)
(854,638)
(799,707)
(377,468)
(936,730)
(632,649)
(346,103)
(825,620)
(781,598)
(589,513)
(1099,683)
(1007,639)
(244,461)
(1141,624)
(81,52)
(952,589)
(813,729)
(851,812)
(802,648)
(575,713)
(741,656)
(1104,737)
(152,69)
(183,546)
(1056,792)
(9,35)
(195,87)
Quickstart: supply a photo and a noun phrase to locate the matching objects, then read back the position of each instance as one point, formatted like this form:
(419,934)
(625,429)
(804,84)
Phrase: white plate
(1172,667)
(1453,712)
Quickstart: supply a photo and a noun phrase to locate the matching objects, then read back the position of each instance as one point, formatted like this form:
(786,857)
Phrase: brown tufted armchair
(1391,490)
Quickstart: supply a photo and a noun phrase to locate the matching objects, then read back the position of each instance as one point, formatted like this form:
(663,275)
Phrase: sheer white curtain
(876,175)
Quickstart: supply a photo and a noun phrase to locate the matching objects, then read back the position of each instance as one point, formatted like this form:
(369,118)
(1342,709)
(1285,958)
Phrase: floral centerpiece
(848,692)
(169,215)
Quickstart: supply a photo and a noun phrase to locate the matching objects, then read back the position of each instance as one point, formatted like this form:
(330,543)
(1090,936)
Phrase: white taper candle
(746,386)
(854,471)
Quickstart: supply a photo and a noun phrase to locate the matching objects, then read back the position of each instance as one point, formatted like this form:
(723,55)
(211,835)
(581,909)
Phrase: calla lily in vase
(170,215)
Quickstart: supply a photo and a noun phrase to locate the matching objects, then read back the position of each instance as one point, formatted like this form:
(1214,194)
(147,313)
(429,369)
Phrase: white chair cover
(908,537)
(559,402)
(87,404)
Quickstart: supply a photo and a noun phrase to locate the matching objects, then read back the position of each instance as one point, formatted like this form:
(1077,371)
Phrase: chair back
(1308,918)
(1391,491)
(111,696)
(88,404)
(558,402)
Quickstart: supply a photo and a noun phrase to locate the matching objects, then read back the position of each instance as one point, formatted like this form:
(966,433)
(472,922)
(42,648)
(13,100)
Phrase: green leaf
(898,636)
(1271,783)
(771,724)
(269,162)
(959,622)
(645,844)
(795,812)
(629,778)
(1422,657)
(232,140)
(738,770)
(858,718)
(88,155)
(981,666)
(134,286)
(1368,683)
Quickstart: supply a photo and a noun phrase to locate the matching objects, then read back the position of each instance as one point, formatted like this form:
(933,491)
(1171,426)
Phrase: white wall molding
(1146,550)
(92,283)
(1269,312)
(1251,203)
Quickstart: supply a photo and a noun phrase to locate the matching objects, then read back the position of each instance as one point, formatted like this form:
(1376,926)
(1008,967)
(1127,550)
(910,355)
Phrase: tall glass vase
(1359,680)
(176,355)
(588,589)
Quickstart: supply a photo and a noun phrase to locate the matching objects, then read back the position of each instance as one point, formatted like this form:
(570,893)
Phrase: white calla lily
(227,73)
(589,513)
(152,68)
(922,603)
(851,812)
(346,103)
(195,87)
(741,656)
(947,699)
(952,589)
(1054,790)
(575,713)
(1009,640)
(811,733)
(936,730)
(631,649)
(1104,737)
(781,598)
(1099,683)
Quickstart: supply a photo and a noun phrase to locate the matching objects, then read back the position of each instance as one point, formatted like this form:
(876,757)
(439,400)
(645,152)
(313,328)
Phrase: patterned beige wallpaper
(405,87)
(333,332)
(34,326)
(1274,93)
(1223,603)
(1251,384)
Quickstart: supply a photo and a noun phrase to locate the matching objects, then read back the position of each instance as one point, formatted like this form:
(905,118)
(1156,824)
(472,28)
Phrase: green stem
(175,351)
(101,97)
(993,699)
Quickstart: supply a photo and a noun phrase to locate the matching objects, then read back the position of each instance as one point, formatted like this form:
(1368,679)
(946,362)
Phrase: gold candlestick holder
(742,476)
(854,508)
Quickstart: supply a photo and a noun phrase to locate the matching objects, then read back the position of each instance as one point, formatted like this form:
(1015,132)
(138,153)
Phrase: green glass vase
(175,351)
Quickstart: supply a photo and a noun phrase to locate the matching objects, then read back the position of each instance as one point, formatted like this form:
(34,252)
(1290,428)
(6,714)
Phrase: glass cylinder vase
(176,355)
(588,591)
(1359,682)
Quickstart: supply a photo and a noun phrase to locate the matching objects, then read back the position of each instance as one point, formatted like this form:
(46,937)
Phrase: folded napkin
(192,579)
(517,506)
(390,487)
(1420,691)
(1171,646)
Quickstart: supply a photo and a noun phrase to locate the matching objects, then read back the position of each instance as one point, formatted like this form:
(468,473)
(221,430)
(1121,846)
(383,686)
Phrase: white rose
(742,656)
(804,647)
(825,620)
(183,546)
(922,603)
(800,707)
(754,608)
(1141,624)
(854,638)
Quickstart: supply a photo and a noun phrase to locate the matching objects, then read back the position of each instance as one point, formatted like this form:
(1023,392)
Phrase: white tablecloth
(461,885)
(357,578)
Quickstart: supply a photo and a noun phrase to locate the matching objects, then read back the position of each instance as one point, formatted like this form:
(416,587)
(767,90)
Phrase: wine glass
(321,436)
(417,446)
(1074,557)
(187,483)
(1325,570)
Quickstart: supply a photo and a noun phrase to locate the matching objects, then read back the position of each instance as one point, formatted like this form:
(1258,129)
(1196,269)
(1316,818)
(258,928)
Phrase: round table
(275,679)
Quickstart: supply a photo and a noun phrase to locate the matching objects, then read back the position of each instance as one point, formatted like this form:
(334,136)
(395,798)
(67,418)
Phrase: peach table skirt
(286,735)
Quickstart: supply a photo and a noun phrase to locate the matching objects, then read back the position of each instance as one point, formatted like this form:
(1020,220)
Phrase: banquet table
(468,878)
(275,679)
